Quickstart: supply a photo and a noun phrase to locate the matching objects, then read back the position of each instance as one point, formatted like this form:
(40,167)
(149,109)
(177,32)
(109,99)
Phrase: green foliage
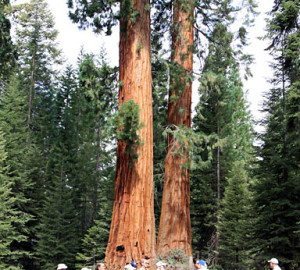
(176,258)
(9,215)
(223,118)
(94,243)
(128,125)
(57,237)
(277,192)
(235,220)
(278,172)
(59,228)
(7,50)
(179,83)
(79,162)
(16,181)
(102,16)
(97,105)
(39,59)
(185,143)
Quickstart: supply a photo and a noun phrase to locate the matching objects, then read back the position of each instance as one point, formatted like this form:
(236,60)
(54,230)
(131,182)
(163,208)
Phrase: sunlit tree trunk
(133,224)
(175,224)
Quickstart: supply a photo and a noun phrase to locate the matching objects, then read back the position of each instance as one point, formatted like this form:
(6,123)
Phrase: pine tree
(277,192)
(7,50)
(35,41)
(39,57)
(59,229)
(235,220)
(18,169)
(9,214)
(94,243)
(58,239)
(223,116)
(98,84)
(79,163)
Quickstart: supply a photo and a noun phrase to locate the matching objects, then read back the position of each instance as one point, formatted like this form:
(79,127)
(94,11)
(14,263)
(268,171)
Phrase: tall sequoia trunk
(175,224)
(133,225)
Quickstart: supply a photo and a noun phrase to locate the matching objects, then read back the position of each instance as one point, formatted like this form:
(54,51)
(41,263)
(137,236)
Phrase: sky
(71,40)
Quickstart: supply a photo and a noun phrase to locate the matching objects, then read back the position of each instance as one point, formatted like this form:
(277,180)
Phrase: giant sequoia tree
(175,226)
(132,233)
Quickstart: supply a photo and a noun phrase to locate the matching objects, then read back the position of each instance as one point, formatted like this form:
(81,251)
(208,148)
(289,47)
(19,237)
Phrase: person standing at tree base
(274,264)
(145,264)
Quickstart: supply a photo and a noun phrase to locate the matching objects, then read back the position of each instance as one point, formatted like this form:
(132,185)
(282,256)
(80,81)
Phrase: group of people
(100,266)
(145,265)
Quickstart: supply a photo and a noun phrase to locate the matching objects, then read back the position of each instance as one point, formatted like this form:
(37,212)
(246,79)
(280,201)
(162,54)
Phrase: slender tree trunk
(218,199)
(133,224)
(97,169)
(30,94)
(175,224)
(284,150)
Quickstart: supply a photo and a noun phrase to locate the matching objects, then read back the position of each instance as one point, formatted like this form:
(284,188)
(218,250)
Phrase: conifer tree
(7,50)
(39,56)
(235,220)
(18,167)
(79,164)
(175,226)
(35,41)
(58,239)
(59,229)
(94,243)
(205,20)
(9,214)
(277,192)
(97,86)
(222,115)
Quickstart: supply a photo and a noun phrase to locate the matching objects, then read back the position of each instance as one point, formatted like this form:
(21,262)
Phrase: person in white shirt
(274,264)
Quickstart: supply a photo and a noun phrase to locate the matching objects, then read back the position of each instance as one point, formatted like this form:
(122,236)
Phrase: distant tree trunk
(133,225)
(218,198)
(97,170)
(31,94)
(175,224)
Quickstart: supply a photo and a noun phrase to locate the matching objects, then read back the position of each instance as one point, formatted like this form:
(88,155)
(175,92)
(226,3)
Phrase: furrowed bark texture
(133,224)
(175,224)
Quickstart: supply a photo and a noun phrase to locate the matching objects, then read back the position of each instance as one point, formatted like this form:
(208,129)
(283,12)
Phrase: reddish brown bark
(133,211)
(175,224)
